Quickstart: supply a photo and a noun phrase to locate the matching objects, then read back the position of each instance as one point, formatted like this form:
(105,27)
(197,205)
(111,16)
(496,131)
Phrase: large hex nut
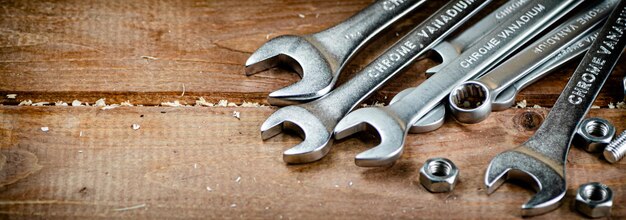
(439,175)
(594,134)
(594,200)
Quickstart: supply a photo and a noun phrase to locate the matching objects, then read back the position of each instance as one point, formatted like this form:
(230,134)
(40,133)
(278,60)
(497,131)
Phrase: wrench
(392,121)
(317,119)
(507,97)
(451,49)
(541,160)
(435,118)
(319,58)
(470,102)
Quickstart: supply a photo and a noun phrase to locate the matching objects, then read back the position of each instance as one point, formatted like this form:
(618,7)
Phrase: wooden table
(201,162)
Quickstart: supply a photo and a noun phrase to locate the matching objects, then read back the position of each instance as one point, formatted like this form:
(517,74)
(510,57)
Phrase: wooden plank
(198,162)
(149,52)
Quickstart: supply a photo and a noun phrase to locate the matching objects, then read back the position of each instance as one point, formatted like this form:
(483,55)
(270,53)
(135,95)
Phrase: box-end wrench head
(506,98)
(541,160)
(322,115)
(471,102)
(429,94)
(450,49)
(319,58)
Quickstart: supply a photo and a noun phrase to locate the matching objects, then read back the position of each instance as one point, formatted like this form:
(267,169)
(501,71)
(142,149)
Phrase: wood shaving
(202,102)
(172,104)
(595,107)
(40,103)
(233,205)
(222,103)
(237,115)
(536,106)
(11,96)
(238,180)
(611,105)
(100,103)
(126,103)
(379,104)
(149,58)
(135,126)
(209,189)
(76,103)
(250,104)
(108,107)
(45,129)
(521,104)
(621,105)
(60,103)
(25,103)
(183,94)
(301,15)
(232,104)
(131,208)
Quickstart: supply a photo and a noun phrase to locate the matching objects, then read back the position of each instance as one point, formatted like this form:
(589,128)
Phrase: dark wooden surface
(92,164)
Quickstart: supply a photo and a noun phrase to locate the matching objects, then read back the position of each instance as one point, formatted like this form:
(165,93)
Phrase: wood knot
(528,120)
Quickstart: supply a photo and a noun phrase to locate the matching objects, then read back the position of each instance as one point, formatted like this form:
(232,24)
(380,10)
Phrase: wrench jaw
(391,134)
(317,139)
(470,102)
(448,52)
(549,183)
(301,55)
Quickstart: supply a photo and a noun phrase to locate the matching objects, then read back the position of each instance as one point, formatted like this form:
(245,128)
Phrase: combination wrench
(540,161)
(470,102)
(316,120)
(392,121)
(505,99)
(319,58)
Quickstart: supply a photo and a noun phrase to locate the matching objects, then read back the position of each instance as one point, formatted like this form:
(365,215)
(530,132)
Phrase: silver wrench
(319,58)
(450,49)
(541,160)
(435,118)
(507,97)
(470,102)
(392,121)
(317,119)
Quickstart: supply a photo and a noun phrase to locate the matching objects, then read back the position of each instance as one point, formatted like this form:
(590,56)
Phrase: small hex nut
(594,200)
(439,175)
(594,134)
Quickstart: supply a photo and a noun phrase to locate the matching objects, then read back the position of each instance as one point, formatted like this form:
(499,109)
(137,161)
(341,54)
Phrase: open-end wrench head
(317,139)
(304,58)
(447,52)
(470,102)
(433,120)
(390,131)
(546,177)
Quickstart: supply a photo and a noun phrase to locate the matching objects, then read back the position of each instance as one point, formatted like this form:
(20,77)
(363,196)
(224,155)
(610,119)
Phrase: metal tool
(470,102)
(319,58)
(317,119)
(541,160)
(392,121)
(450,49)
(506,98)
(616,149)
(435,118)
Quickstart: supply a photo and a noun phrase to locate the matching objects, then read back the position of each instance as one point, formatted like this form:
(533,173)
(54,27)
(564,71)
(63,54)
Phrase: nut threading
(597,129)
(439,168)
(616,149)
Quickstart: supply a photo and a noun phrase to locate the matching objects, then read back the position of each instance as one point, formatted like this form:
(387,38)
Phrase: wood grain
(93,164)
(199,162)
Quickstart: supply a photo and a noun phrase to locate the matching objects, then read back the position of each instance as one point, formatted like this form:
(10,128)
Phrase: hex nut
(594,200)
(594,134)
(439,175)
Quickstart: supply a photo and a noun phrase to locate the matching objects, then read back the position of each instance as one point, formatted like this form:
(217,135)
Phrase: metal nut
(594,200)
(594,134)
(439,175)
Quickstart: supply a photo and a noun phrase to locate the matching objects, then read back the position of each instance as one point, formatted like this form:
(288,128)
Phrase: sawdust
(536,106)
(202,102)
(621,105)
(521,104)
(100,103)
(237,115)
(595,107)
(183,94)
(109,107)
(76,103)
(172,104)
(126,103)
(60,103)
(222,103)
(130,208)
(45,129)
(149,58)
(301,16)
(25,103)
(135,126)
(611,105)
(11,96)
(251,104)
(40,103)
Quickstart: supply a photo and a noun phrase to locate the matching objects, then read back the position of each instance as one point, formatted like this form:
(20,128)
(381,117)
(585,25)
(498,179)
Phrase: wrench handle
(554,137)
(399,56)
(353,32)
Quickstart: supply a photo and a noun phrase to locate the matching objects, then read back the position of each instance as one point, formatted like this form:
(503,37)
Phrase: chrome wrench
(392,121)
(450,49)
(317,119)
(470,102)
(435,118)
(507,97)
(541,160)
(319,58)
